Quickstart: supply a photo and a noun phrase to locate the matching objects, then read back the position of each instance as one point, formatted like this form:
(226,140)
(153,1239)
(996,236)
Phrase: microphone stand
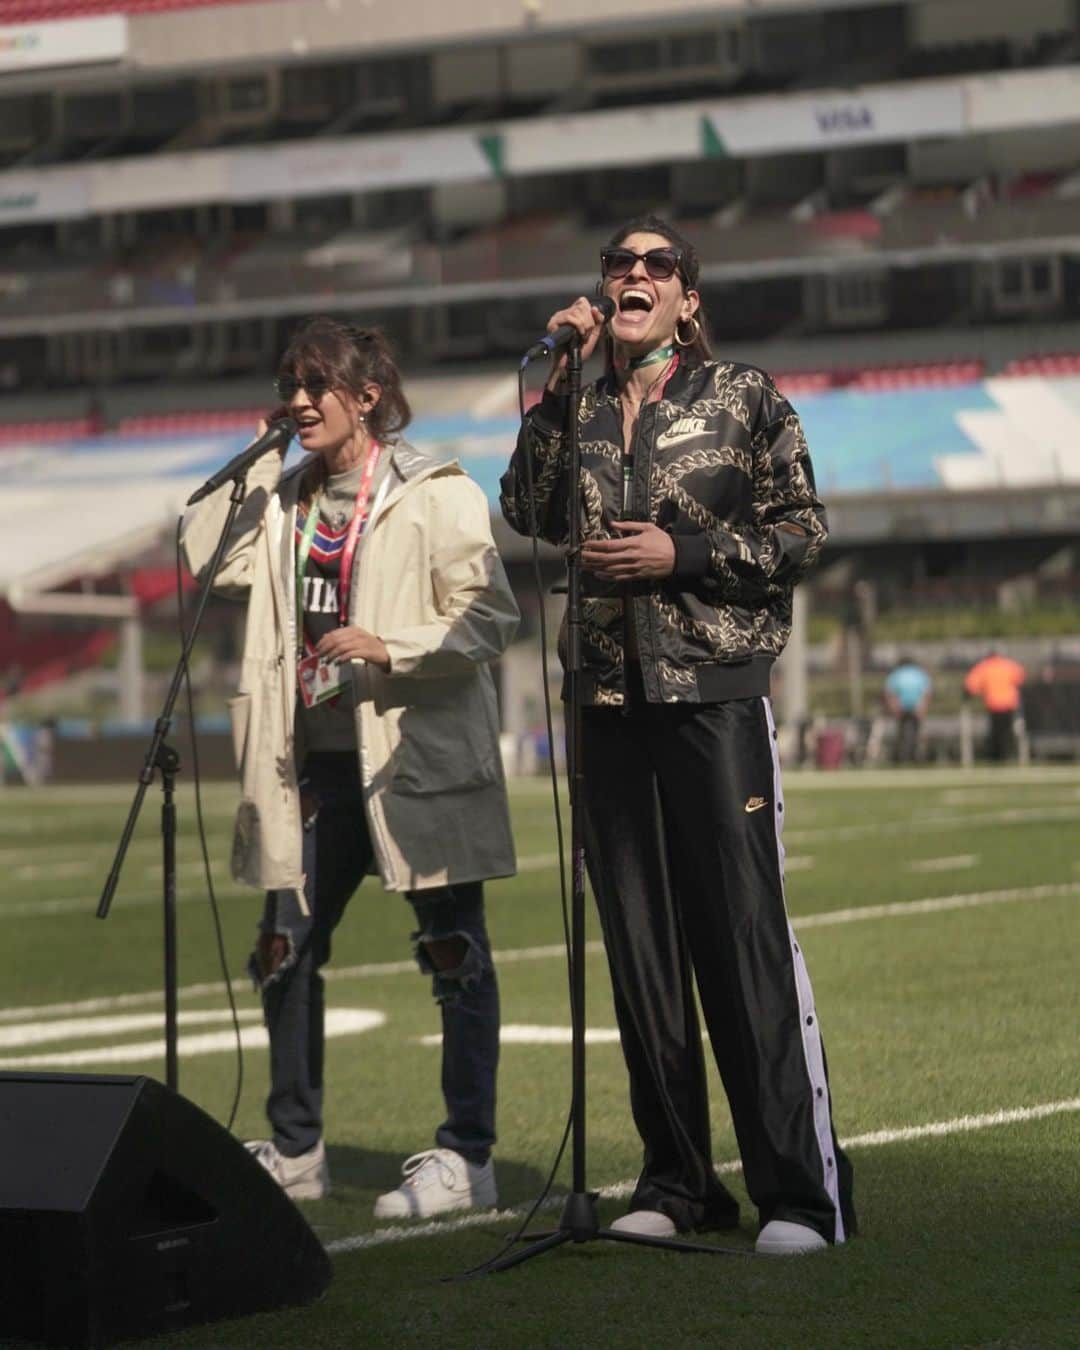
(579,1222)
(161,756)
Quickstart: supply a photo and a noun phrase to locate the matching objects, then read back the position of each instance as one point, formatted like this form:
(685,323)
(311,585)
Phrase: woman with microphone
(366,731)
(699,515)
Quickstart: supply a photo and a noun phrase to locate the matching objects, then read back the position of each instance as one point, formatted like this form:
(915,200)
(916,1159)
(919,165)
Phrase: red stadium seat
(938,373)
(181,423)
(795,382)
(1052,363)
(52,429)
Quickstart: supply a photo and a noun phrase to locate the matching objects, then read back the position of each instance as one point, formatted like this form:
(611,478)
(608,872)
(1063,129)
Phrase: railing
(491,258)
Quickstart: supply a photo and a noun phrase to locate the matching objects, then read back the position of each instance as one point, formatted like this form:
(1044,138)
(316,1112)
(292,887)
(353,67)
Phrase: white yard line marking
(956,863)
(538,862)
(516,1034)
(50,871)
(619,1190)
(87,1028)
(943,821)
(193,869)
(987,776)
(901,909)
(339,1022)
(189,870)
(895,910)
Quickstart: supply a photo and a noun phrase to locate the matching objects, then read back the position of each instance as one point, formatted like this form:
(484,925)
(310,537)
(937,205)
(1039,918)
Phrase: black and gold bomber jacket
(721,463)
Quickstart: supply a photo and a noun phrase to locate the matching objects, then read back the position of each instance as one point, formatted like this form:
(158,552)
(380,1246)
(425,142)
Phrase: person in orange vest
(996,679)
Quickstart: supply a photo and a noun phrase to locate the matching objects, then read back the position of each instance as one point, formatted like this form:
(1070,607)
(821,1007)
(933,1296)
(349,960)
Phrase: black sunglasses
(288,386)
(660,263)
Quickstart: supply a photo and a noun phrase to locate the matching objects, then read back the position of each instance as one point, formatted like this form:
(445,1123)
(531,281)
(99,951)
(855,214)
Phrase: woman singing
(367,737)
(698,517)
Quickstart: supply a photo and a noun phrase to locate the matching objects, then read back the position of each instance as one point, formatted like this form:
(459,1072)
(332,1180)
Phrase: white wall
(540,68)
(464,74)
(245,34)
(461,205)
(940,22)
(1046,149)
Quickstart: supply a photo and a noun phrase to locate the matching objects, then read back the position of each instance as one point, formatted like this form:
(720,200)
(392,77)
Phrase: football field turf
(939,911)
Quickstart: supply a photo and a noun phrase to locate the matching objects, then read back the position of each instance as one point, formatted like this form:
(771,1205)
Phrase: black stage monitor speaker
(125,1210)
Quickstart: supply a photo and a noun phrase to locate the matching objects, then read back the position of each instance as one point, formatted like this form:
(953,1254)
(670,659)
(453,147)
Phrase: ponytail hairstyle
(699,348)
(348,358)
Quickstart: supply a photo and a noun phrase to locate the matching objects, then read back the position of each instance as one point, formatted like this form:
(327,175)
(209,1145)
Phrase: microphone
(277,434)
(566,332)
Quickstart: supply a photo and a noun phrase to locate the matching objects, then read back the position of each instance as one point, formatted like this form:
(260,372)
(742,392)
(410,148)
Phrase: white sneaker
(647,1222)
(306,1177)
(780,1237)
(436,1182)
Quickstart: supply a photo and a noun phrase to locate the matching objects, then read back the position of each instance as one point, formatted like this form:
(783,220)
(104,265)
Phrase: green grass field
(939,914)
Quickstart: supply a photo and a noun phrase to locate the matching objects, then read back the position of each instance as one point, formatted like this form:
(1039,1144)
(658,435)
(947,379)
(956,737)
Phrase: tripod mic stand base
(579,1224)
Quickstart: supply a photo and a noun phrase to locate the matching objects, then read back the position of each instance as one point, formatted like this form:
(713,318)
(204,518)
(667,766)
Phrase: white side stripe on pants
(808,1020)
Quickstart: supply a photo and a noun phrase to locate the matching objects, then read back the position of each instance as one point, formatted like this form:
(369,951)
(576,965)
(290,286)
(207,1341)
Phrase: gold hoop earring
(688,342)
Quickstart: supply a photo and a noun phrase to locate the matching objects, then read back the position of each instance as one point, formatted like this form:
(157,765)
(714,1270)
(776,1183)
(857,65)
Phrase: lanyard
(348,553)
(661,353)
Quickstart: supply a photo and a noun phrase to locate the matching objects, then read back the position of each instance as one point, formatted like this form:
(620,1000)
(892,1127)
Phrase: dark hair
(349,358)
(689,270)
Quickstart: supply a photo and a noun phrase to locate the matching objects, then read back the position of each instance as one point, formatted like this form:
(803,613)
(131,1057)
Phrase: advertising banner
(602,139)
(67,42)
(358,163)
(149,182)
(56,194)
(1023,98)
(835,117)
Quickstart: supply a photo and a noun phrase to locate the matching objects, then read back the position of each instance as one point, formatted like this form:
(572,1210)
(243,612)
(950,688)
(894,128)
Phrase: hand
(275,416)
(589,322)
(644,552)
(352,644)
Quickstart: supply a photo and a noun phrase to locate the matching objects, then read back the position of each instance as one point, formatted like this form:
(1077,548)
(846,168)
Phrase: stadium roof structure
(890,463)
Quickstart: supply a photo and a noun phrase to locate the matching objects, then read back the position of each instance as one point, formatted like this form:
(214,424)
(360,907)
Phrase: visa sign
(898,112)
(845,120)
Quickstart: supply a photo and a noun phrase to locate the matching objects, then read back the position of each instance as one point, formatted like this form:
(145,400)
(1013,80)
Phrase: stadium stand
(885,198)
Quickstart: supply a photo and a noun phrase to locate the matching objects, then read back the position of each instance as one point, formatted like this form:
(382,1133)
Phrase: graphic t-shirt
(330,725)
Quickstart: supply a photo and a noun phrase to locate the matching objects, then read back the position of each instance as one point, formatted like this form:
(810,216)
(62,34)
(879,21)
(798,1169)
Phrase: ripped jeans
(293,947)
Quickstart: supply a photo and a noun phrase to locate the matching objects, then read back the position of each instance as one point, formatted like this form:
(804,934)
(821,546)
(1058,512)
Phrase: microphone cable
(201,825)
(485,1266)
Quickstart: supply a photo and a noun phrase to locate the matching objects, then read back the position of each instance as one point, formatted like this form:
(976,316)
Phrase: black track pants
(683,810)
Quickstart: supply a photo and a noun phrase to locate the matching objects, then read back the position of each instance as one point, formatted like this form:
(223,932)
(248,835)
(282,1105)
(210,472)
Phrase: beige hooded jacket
(429,582)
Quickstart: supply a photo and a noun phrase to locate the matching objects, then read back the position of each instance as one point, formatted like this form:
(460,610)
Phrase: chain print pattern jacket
(721,463)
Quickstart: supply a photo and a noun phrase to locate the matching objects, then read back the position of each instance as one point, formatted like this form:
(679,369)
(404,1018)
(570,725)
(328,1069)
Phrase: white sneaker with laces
(438,1181)
(646,1222)
(306,1177)
(780,1237)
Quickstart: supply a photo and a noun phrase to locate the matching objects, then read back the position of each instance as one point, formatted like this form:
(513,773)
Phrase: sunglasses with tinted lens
(660,263)
(288,386)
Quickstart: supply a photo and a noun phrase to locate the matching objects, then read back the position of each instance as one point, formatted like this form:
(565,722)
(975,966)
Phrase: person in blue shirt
(907,696)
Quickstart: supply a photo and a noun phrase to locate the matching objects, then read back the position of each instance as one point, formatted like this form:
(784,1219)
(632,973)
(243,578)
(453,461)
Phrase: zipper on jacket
(628,461)
(654,410)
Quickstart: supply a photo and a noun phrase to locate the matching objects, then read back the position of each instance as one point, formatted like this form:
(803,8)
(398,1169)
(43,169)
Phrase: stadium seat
(1056,363)
(935,374)
(181,423)
(51,429)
